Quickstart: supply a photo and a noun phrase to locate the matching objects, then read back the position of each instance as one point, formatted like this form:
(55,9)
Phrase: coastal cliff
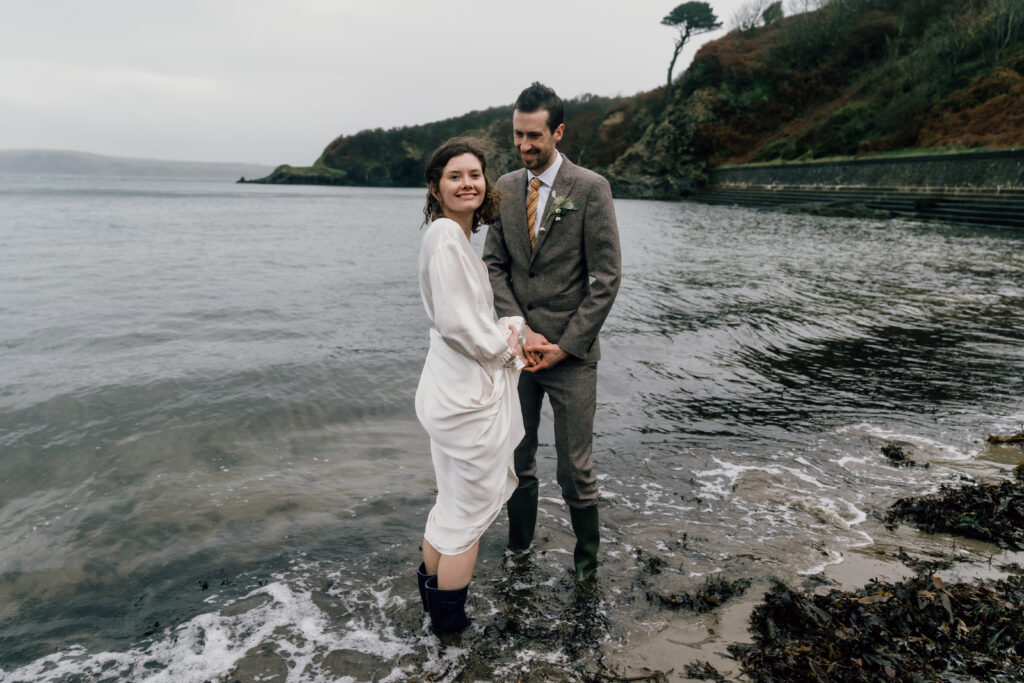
(853,78)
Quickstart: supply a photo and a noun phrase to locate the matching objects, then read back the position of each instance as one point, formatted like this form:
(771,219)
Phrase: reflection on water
(209,461)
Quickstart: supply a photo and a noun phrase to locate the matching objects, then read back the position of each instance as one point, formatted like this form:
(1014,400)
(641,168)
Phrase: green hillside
(853,78)
(599,130)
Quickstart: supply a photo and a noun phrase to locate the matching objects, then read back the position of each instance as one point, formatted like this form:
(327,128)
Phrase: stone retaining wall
(988,171)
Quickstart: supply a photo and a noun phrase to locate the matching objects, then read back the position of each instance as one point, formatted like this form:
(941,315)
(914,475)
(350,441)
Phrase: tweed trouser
(571,387)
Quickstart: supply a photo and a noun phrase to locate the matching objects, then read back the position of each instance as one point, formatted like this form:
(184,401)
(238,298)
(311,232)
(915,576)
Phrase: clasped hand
(537,353)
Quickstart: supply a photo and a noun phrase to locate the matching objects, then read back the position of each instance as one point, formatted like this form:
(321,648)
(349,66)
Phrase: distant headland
(66,162)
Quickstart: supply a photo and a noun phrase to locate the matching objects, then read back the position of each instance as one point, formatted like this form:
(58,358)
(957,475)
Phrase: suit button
(533,274)
(529,307)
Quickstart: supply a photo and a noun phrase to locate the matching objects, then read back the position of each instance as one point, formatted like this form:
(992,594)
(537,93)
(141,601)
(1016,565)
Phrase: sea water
(211,469)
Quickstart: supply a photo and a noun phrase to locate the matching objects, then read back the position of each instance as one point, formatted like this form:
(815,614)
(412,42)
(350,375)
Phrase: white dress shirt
(547,179)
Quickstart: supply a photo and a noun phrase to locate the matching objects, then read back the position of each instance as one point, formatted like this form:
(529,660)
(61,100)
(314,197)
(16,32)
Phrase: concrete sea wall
(983,188)
(939,173)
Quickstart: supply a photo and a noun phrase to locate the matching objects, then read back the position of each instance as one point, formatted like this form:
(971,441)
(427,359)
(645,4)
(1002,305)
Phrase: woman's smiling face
(462,185)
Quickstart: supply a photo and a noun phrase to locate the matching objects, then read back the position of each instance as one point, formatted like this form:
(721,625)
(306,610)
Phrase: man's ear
(558,132)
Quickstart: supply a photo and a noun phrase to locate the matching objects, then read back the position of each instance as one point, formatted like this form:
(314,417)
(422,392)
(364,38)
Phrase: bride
(467,398)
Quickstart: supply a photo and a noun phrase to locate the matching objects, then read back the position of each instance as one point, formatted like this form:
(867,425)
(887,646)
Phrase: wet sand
(682,637)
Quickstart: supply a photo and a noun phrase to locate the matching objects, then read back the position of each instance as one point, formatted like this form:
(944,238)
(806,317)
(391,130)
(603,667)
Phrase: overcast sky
(271,82)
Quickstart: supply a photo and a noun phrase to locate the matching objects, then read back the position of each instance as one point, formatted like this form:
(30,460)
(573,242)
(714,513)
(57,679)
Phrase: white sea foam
(852,460)
(1009,423)
(803,476)
(938,449)
(806,463)
(720,482)
(211,644)
(834,512)
(834,557)
(868,540)
(524,659)
(716,570)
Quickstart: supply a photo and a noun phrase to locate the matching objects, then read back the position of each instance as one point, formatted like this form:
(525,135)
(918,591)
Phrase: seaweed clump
(703,671)
(919,564)
(898,457)
(915,630)
(1017,438)
(709,596)
(715,590)
(989,512)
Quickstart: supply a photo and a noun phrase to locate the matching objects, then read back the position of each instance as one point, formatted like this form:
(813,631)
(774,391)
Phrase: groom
(553,258)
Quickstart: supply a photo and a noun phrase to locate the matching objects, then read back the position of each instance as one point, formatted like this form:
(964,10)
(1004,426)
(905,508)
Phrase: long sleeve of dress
(466,400)
(455,300)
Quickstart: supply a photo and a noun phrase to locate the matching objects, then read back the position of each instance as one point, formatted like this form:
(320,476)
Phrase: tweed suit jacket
(565,285)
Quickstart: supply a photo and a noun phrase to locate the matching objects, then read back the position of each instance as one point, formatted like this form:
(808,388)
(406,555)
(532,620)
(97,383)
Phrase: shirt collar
(548,176)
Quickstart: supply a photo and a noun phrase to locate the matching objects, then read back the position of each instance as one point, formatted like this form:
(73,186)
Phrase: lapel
(564,182)
(519,237)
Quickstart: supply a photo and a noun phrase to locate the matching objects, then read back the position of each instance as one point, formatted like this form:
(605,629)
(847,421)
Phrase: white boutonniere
(561,205)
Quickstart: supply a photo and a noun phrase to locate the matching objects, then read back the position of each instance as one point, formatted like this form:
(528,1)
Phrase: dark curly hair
(539,96)
(488,211)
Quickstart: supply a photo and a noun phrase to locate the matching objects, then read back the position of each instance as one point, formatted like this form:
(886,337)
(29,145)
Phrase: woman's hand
(515,343)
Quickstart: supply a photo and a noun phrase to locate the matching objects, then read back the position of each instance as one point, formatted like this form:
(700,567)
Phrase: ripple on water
(198,396)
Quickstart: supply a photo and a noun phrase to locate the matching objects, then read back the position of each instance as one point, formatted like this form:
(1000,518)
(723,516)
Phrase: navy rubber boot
(421,580)
(447,608)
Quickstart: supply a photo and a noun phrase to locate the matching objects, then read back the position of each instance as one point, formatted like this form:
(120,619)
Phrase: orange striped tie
(531,206)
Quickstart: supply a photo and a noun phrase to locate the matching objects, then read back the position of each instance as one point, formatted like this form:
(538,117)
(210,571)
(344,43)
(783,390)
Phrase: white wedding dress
(467,399)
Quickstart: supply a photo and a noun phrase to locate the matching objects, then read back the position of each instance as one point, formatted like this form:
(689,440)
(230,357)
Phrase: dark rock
(650,187)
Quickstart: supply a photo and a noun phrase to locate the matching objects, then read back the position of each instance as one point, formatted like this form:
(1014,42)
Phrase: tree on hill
(772,13)
(689,18)
(751,15)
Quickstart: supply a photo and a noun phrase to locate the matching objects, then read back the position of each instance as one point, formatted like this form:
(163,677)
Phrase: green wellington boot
(522,517)
(588,539)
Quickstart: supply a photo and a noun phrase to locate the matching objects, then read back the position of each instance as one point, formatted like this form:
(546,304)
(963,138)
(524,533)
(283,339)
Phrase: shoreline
(681,638)
(685,638)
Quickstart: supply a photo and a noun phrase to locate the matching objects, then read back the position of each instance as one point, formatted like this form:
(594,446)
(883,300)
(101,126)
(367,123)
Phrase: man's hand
(550,355)
(533,339)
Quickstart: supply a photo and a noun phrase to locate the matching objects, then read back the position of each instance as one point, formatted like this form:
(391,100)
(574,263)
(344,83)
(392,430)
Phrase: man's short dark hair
(539,96)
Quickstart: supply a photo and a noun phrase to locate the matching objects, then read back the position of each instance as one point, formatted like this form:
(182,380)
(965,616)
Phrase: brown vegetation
(853,77)
(987,113)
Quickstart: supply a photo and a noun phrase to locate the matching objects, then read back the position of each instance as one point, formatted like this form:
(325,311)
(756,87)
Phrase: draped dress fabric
(467,400)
